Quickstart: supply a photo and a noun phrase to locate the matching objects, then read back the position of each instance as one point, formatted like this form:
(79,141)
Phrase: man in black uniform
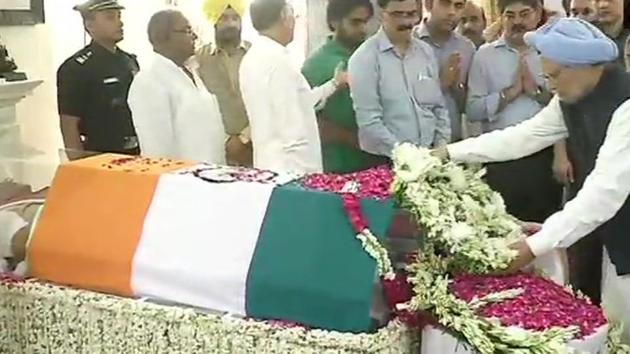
(92,86)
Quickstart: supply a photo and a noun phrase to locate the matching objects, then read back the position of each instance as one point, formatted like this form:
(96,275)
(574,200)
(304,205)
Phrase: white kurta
(175,117)
(281,109)
(604,192)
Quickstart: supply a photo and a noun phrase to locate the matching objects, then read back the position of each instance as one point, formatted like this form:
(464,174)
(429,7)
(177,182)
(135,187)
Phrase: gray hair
(161,25)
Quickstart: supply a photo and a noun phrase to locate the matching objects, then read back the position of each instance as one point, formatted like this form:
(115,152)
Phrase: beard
(350,41)
(471,33)
(228,35)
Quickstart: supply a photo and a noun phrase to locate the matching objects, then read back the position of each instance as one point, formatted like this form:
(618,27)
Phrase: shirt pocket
(427,91)
(114,93)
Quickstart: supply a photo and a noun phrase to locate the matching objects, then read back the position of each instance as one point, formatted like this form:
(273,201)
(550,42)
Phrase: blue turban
(572,42)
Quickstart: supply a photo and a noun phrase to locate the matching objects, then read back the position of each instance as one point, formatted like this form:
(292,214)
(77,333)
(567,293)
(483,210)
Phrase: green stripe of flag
(308,266)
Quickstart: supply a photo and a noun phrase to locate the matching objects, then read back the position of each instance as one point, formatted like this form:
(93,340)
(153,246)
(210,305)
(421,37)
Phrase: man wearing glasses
(591,110)
(174,114)
(506,87)
(395,85)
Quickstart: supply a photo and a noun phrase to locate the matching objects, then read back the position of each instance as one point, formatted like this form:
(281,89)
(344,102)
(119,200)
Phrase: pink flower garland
(398,291)
(10,278)
(374,183)
(543,305)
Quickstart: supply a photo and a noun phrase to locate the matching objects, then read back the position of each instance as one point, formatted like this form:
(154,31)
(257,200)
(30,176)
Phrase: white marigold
(458,178)
(461,232)
(413,162)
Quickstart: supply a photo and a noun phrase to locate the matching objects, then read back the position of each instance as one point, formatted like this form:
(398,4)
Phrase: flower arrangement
(44,318)
(539,304)
(462,217)
(467,234)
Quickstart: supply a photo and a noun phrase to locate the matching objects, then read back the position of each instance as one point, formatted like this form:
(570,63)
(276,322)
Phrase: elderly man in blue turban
(591,109)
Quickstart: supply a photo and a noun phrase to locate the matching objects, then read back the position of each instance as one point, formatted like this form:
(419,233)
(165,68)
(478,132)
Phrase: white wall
(32,49)
(39,50)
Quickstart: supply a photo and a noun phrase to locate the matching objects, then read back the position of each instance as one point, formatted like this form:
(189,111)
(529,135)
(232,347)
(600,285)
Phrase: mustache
(519,28)
(229,31)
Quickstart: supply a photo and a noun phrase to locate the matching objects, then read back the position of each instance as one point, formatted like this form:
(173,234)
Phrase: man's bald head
(171,35)
(161,25)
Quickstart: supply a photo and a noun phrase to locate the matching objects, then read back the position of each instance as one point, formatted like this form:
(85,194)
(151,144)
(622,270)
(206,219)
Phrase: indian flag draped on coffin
(161,229)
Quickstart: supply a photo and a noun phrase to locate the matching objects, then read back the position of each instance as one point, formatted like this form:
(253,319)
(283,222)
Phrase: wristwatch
(244,140)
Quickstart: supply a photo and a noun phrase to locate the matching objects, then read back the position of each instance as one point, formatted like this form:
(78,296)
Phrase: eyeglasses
(187,30)
(552,76)
(399,15)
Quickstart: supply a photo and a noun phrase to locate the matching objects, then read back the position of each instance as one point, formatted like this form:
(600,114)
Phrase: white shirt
(173,116)
(604,192)
(281,109)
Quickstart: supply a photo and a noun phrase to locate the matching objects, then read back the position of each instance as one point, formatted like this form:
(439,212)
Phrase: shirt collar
(190,65)
(422,32)
(271,44)
(101,50)
(334,45)
(502,42)
(384,44)
(244,46)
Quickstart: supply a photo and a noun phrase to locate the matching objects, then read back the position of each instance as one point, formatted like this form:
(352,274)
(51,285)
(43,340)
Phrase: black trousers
(585,262)
(585,266)
(527,186)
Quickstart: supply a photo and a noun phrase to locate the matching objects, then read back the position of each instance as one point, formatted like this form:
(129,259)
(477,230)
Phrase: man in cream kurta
(592,110)
(279,101)
(173,113)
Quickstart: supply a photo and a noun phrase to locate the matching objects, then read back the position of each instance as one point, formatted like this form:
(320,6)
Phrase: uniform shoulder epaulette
(83,57)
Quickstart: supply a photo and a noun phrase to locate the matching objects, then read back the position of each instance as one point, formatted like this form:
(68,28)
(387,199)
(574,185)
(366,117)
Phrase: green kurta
(318,69)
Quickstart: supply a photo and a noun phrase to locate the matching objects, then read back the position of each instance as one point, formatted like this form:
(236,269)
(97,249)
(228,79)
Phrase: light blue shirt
(494,68)
(397,99)
(466,49)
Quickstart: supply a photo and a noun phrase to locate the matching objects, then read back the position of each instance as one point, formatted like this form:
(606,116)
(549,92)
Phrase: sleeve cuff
(458,151)
(246,135)
(539,244)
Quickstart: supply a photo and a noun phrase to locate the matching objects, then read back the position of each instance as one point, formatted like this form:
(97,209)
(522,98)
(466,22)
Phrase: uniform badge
(83,58)
(111,80)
